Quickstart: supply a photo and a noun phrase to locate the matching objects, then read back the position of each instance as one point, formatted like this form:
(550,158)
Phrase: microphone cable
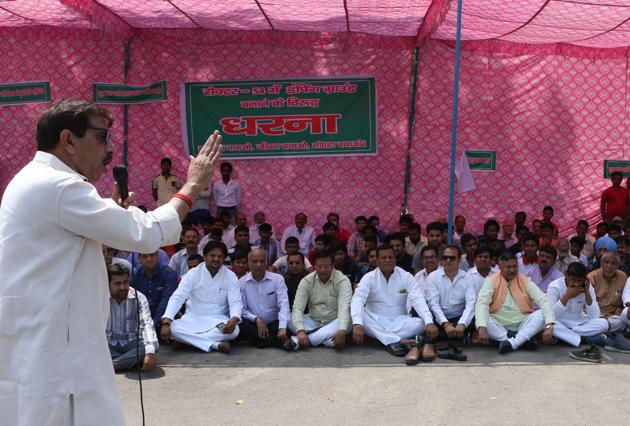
(138,353)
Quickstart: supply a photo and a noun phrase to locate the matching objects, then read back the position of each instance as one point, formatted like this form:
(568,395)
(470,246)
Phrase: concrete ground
(365,385)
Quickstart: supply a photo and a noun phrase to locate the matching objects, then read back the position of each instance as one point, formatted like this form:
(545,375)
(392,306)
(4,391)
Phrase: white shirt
(450,299)
(179,262)
(463,263)
(383,298)
(306,237)
(206,296)
(54,306)
(477,279)
(202,202)
(625,296)
(227,195)
(576,311)
(281,264)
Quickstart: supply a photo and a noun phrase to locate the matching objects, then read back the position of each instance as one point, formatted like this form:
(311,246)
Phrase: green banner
(482,160)
(622,166)
(105,93)
(24,93)
(283,118)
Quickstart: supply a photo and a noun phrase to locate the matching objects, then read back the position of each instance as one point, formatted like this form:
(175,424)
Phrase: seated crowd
(420,296)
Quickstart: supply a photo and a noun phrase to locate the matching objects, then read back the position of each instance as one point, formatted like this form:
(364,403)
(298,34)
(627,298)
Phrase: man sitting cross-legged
(213,304)
(379,308)
(327,292)
(125,307)
(505,308)
(265,303)
(577,312)
(451,298)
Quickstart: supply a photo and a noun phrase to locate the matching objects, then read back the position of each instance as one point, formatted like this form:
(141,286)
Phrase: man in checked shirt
(122,324)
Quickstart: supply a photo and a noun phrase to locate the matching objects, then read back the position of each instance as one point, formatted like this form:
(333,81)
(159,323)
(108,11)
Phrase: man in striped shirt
(123,323)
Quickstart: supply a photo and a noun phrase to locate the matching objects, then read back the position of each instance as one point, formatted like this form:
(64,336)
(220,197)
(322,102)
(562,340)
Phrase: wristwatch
(550,325)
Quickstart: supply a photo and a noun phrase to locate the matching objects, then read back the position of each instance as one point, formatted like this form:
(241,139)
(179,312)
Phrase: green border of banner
(27,84)
(482,154)
(616,163)
(137,99)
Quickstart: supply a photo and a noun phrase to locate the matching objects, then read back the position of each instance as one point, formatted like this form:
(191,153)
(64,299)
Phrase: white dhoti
(528,328)
(201,332)
(388,330)
(621,322)
(572,332)
(318,333)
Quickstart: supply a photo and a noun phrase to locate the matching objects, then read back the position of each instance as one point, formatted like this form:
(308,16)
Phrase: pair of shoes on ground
(453,352)
(590,354)
(419,353)
(506,347)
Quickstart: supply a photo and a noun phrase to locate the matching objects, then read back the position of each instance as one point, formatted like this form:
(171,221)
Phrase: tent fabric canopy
(588,23)
(543,83)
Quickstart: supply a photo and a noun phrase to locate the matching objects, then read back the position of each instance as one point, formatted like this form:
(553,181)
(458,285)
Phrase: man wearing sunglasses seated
(505,308)
(451,298)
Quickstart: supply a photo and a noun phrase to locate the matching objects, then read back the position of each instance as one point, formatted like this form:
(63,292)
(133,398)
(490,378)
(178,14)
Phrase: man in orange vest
(505,308)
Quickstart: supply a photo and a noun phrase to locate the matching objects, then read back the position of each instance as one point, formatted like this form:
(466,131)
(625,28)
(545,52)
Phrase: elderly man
(576,310)
(507,233)
(565,258)
(266,310)
(124,309)
(505,308)
(545,272)
(56,368)
(213,304)
(451,298)
(327,293)
(609,284)
(379,307)
(300,230)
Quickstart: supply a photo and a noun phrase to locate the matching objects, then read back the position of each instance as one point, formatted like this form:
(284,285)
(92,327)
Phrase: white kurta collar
(54,162)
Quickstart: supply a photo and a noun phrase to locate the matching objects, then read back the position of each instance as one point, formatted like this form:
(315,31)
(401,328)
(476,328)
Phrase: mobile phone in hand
(221,326)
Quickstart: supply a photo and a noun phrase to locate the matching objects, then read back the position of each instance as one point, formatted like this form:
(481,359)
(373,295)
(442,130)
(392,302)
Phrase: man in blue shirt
(157,282)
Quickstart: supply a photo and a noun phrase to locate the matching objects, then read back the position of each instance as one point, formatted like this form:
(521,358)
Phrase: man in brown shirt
(609,282)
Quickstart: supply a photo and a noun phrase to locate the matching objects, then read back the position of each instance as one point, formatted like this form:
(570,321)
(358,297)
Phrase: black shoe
(396,349)
(505,347)
(590,354)
(453,354)
(530,345)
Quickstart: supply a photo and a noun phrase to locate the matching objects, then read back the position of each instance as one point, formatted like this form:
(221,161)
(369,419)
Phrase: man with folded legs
(577,312)
(265,303)
(213,304)
(327,293)
(505,308)
(451,299)
(379,308)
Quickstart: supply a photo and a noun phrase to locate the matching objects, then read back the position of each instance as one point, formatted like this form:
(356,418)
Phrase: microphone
(120,176)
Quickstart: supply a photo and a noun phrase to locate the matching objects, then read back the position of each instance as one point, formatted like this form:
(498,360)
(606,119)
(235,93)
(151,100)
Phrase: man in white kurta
(212,298)
(55,366)
(379,305)
(577,313)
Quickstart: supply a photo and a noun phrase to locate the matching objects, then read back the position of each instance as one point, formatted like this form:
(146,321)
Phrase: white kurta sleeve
(414,293)
(433,299)
(592,310)
(234,300)
(182,293)
(554,295)
(471,299)
(361,293)
(81,210)
(625,296)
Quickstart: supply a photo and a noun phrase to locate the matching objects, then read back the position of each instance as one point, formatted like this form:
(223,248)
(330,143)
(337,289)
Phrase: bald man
(265,298)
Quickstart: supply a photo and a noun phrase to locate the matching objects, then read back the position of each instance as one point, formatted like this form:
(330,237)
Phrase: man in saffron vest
(505,308)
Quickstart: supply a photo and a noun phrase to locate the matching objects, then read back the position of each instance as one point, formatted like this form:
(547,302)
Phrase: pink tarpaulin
(553,112)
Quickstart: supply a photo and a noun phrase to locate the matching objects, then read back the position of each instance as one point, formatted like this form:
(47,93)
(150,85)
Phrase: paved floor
(367,386)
